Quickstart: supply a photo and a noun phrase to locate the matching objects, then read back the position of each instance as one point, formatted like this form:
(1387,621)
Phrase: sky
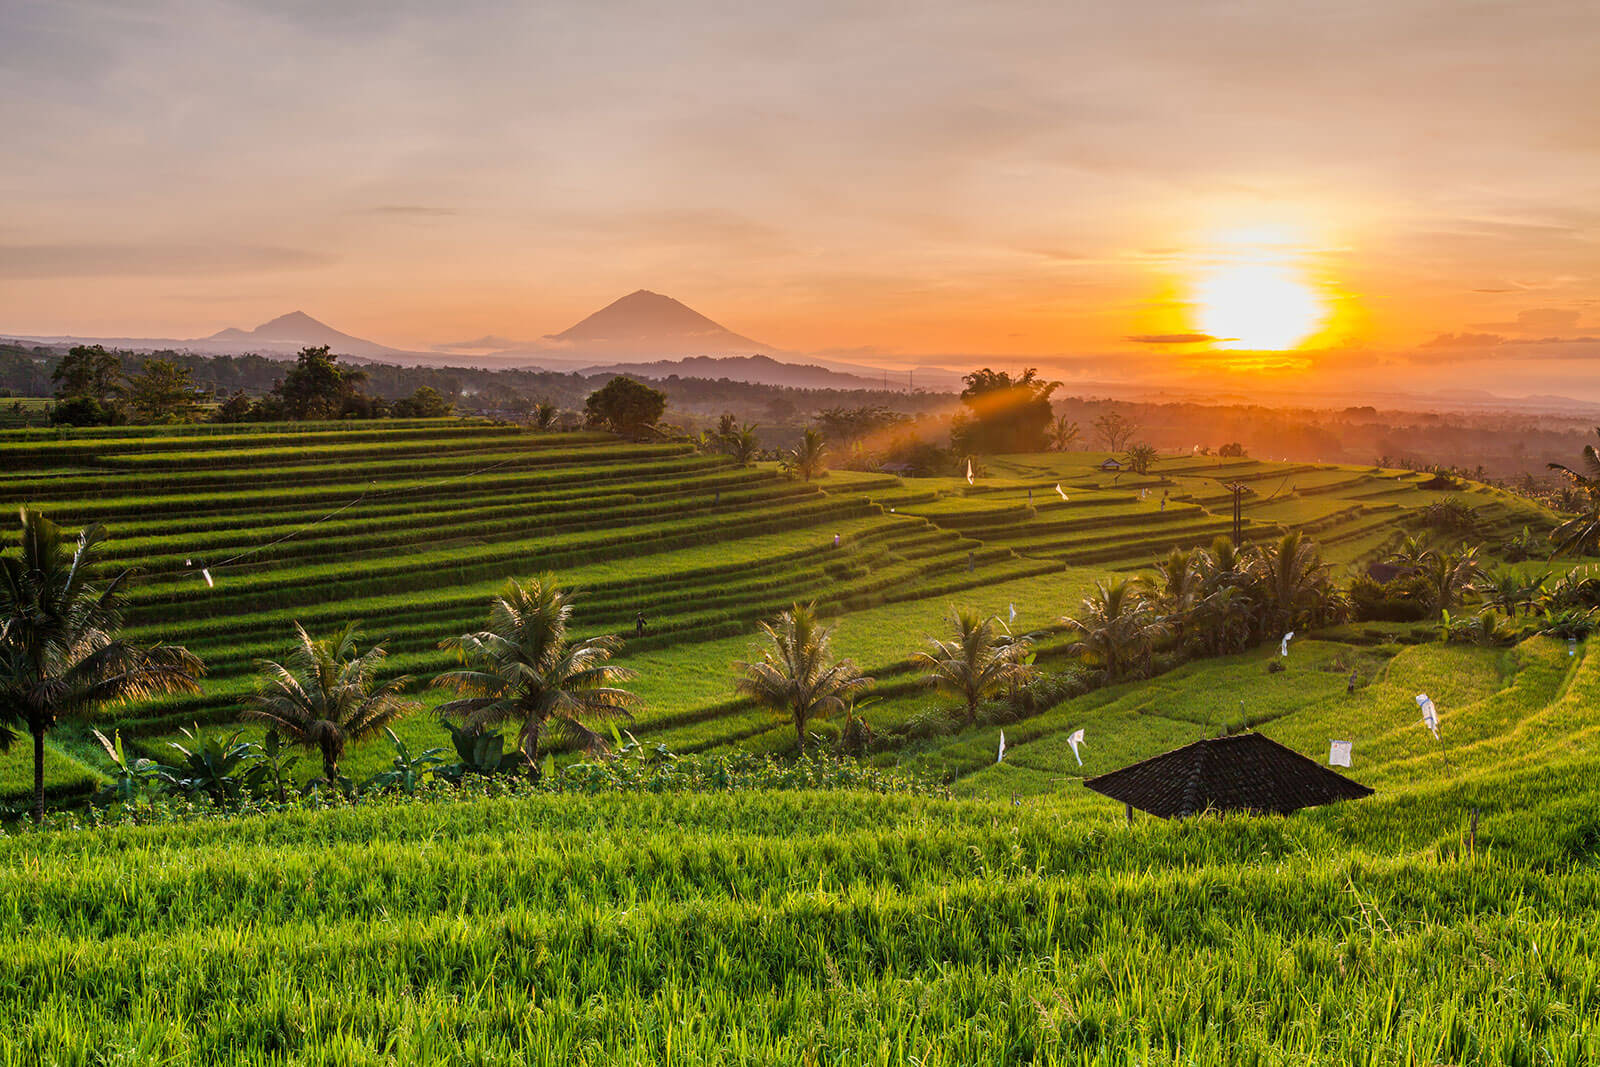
(1374,183)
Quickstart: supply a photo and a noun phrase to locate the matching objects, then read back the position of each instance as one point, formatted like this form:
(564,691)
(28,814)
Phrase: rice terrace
(694,894)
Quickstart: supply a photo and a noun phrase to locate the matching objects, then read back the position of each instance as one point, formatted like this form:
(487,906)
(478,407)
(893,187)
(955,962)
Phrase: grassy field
(820,927)
(1021,920)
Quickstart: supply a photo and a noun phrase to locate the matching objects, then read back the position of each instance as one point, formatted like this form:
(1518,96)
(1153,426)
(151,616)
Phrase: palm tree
(1142,456)
(1118,628)
(1508,592)
(809,459)
(797,674)
(1413,553)
(1176,584)
(327,695)
(60,654)
(545,415)
(1451,576)
(1295,586)
(1581,533)
(742,444)
(526,670)
(1063,433)
(982,660)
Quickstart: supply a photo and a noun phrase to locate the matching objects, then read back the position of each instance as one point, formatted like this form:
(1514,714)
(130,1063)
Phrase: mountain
(293,332)
(283,336)
(644,325)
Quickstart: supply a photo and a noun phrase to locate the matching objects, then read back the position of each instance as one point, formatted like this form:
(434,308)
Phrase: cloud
(1536,320)
(417,211)
(27,262)
(1175,338)
(1464,340)
(490,342)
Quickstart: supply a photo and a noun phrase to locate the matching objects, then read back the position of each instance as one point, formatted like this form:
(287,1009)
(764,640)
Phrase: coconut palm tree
(742,444)
(1412,552)
(809,460)
(60,653)
(545,414)
(1295,587)
(1117,629)
(982,660)
(1507,592)
(525,670)
(1176,585)
(1063,433)
(1451,576)
(797,674)
(1581,533)
(327,695)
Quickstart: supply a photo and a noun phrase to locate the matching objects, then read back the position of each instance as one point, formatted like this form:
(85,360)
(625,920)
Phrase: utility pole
(1237,489)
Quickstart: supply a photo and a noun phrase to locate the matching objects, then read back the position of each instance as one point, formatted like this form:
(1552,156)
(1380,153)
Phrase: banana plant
(137,783)
(277,760)
(478,752)
(408,770)
(224,768)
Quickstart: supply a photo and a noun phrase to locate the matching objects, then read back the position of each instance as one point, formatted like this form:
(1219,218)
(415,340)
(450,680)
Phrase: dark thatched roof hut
(1248,772)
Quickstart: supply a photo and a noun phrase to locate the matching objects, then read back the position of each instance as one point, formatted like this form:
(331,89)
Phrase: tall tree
(625,406)
(1115,430)
(525,670)
(979,661)
(797,674)
(1004,414)
(328,695)
(164,392)
(60,650)
(317,387)
(88,371)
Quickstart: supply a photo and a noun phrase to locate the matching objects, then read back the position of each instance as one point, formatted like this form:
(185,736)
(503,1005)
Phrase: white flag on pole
(1430,714)
(206,574)
(1339,754)
(969,472)
(1013,612)
(1001,757)
(1283,649)
(1059,491)
(1143,494)
(1075,739)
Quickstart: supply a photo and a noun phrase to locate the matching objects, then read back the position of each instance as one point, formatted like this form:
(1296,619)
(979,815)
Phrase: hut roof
(1247,772)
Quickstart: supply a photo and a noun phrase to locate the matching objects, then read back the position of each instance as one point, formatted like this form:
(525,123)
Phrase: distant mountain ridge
(763,370)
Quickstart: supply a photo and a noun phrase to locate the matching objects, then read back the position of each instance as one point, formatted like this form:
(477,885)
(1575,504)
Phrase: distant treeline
(26,371)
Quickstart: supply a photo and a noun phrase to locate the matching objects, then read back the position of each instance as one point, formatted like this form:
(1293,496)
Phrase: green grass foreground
(790,927)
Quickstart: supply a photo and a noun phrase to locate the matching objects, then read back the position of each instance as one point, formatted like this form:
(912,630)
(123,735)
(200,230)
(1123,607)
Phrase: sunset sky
(868,179)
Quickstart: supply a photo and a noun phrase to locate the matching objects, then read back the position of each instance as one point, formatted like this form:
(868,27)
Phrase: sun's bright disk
(1262,305)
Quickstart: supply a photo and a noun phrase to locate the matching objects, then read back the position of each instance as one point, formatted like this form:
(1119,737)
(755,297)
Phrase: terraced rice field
(1023,921)
(411,526)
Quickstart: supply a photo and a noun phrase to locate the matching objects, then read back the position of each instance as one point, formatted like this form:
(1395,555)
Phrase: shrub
(1402,600)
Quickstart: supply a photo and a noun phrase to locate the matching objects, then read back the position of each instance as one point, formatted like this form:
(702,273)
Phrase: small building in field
(1384,573)
(1245,773)
(1111,463)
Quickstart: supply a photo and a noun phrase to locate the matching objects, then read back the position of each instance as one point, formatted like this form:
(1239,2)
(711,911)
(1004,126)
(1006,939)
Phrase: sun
(1261,306)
